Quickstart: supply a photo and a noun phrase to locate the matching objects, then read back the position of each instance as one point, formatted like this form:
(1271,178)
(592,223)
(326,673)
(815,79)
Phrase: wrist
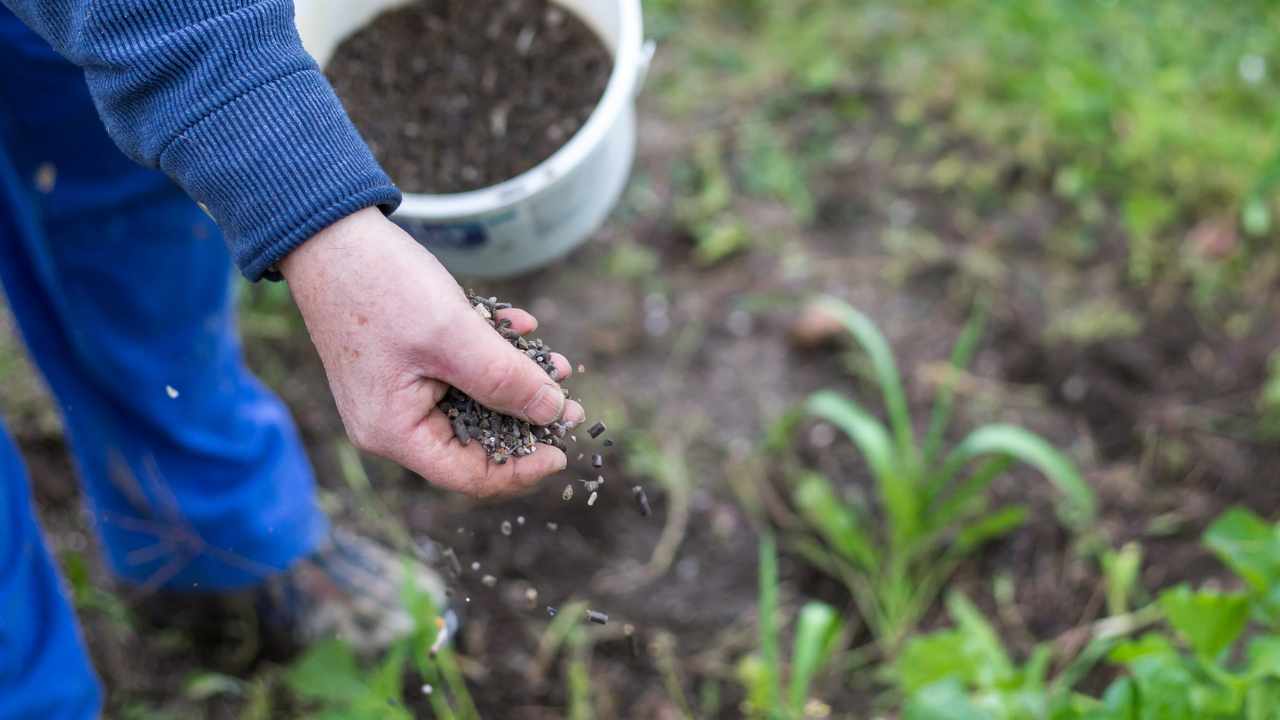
(333,244)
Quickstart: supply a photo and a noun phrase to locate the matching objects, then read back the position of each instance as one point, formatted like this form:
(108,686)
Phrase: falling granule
(591,486)
(171,391)
(581,455)
(442,635)
(642,501)
(597,617)
(553,526)
(599,479)
(506,527)
(551,611)
(597,461)
(592,500)
(567,495)
(520,520)
(596,430)
(427,689)
(581,368)
(633,644)
(608,442)
(531,596)
(452,557)
(489,581)
(475,566)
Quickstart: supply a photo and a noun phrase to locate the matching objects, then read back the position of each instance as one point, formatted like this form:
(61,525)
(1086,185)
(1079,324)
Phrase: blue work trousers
(194,475)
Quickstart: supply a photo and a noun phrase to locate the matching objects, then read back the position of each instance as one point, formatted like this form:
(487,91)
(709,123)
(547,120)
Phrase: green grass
(930,507)
(818,629)
(1157,113)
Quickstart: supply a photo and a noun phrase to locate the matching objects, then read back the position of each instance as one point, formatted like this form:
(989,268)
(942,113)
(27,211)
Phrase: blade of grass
(1035,451)
(955,506)
(817,628)
(961,355)
(897,492)
(769,617)
(837,522)
(884,367)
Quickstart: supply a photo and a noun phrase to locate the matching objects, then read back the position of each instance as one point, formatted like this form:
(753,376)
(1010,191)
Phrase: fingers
(486,367)
(521,322)
(434,453)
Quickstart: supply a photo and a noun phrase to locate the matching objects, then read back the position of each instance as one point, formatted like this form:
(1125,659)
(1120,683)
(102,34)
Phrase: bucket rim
(629,58)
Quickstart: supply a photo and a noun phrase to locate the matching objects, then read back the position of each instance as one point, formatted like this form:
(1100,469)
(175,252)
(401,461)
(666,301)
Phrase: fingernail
(546,406)
(573,413)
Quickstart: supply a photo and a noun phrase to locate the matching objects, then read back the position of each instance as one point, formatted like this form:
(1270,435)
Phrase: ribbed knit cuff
(275,166)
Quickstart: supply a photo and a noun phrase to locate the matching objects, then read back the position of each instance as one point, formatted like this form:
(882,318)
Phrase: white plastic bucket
(539,215)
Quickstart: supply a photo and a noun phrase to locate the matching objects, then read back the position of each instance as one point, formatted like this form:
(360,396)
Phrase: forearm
(222,97)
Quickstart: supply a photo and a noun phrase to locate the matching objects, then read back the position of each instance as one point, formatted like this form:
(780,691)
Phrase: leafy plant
(333,684)
(1202,663)
(817,629)
(931,507)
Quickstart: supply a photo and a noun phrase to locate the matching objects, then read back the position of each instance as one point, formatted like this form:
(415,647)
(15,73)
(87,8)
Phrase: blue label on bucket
(458,236)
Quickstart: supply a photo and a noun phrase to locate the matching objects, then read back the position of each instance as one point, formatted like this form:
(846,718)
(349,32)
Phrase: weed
(933,506)
(817,631)
(1214,656)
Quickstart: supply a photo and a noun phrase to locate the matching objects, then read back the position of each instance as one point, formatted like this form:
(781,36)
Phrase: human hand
(394,330)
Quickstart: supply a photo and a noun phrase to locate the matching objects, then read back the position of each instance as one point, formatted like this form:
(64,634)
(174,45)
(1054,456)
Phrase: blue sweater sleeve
(220,95)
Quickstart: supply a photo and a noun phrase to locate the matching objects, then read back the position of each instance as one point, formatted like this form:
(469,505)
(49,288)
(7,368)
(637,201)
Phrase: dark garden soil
(456,95)
(689,364)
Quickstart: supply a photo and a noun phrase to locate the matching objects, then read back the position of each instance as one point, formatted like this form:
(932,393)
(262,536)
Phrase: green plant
(332,683)
(931,507)
(1215,655)
(817,630)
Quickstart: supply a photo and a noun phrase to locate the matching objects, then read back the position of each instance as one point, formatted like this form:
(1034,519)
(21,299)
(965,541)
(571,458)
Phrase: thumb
(503,378)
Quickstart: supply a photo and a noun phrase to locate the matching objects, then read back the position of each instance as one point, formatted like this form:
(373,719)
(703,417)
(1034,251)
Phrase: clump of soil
(502,436)
(456,95)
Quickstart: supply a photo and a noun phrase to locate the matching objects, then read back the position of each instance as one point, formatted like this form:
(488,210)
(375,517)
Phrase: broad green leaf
(1208,620)
(1148,645)
(817,628)
(900,498)
(946,700)
(971,653)
(1027,447)
(1263,657)
(929,659)
(328,672)
(1163,690)
(982,644)
(1249,546)
(961,356)
(989,527)
(884,366)
(837,522)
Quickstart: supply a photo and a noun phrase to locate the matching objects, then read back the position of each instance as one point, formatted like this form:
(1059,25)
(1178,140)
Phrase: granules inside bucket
(457,95)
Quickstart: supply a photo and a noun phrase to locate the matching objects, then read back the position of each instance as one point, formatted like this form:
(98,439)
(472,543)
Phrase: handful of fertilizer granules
(502,436)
